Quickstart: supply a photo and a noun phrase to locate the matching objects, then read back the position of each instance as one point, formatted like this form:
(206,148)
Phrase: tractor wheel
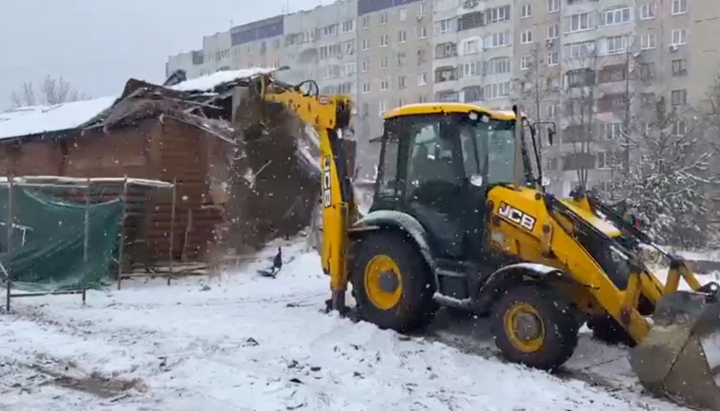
(392,284)
(607,330)
(532,325)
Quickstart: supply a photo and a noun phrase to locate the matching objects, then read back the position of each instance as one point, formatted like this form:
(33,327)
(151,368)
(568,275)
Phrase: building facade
(395,64)
(595,68)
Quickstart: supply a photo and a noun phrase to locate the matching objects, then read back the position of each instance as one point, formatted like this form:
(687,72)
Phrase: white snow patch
(253,343)
(46,119)
(212,80)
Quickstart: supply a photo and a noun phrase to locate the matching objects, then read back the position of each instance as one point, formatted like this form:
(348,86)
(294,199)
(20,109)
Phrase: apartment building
(321,44)
(473,52)
(256,44)
(395,62)
(585,64)
(597,69)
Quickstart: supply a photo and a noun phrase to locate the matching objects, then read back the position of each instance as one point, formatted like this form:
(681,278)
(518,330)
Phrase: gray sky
(98,44)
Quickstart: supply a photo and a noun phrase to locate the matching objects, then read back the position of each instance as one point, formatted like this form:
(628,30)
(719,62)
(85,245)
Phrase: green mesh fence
(48,250)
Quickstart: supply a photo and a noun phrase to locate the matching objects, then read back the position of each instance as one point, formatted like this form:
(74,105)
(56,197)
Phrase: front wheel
(531,325)
(392,284)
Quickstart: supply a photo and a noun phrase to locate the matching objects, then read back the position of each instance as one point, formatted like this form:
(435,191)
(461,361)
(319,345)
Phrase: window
(444,26)
(401,57)
(471,46)
(366,44)
(498,40)
(578,161)
(680,128)
(422,32)
(421,9)
(553,6)
(550,111)
(678,37)
(525,62)
(553,31)
(443,74)
(383,19)
(496,91)
(402,83)
(678,97)
(472,93)
(470,70)
(679,7)
(447,96)
(580,78)
(366,22)
(614,45)
(384,62)
(422,79)
(612,73)
(421,56)
(384,41)
(470,21)
(553,58)
(647,41)
(612,131)
(526,11)
(431,157)
(579,22)
(348,26)
(615,17)
(526,37)
(679,67)
(497,14)
(348,69)
(365,65)
(403,14)
(579,50)
(498,65)
(384,85)
(646,71)
(330,31)
(402,36)
(445,50)
(647,11)
(366,87)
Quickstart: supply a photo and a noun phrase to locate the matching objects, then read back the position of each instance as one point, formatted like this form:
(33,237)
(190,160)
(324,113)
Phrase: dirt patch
(94,384)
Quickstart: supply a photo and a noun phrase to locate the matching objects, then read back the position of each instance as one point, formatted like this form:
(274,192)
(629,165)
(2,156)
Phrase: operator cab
(437,163)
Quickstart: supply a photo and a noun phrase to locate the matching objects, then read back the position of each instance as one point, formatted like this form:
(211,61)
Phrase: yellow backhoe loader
(460,218)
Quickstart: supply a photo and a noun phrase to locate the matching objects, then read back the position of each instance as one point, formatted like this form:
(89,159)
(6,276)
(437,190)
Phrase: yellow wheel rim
(382,274)
(524,327)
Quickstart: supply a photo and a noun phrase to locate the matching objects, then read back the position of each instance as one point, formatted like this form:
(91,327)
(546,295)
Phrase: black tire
(608,331)
(561,327)
(416,308)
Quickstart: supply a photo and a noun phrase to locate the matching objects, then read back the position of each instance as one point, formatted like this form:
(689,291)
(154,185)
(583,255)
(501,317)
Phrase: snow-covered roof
(212,80)
(46,119)
(34,120)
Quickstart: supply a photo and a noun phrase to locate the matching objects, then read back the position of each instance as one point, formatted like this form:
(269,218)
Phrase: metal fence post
(9,225)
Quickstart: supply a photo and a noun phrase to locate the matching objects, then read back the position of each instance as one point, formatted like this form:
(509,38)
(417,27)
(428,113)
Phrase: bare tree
(668,188)
(52,91)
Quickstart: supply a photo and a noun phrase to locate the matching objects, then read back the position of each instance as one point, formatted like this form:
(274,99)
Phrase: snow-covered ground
(246,342)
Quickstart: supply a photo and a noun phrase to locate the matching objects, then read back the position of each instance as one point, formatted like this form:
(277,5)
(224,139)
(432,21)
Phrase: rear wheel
(392,283)
(532,325)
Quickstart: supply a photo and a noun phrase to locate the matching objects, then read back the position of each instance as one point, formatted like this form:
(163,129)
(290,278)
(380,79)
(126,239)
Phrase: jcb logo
(327,197)
(516,216)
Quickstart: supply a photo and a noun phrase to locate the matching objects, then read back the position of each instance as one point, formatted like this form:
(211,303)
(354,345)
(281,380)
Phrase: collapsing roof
(41,120)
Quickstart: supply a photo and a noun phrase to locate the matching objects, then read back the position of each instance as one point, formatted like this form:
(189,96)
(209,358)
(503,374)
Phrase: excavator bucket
(670,361)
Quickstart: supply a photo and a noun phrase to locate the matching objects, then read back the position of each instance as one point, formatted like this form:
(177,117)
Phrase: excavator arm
(329,116)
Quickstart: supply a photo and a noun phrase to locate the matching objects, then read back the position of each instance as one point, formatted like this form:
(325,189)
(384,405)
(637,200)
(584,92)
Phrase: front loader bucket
(670,361)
